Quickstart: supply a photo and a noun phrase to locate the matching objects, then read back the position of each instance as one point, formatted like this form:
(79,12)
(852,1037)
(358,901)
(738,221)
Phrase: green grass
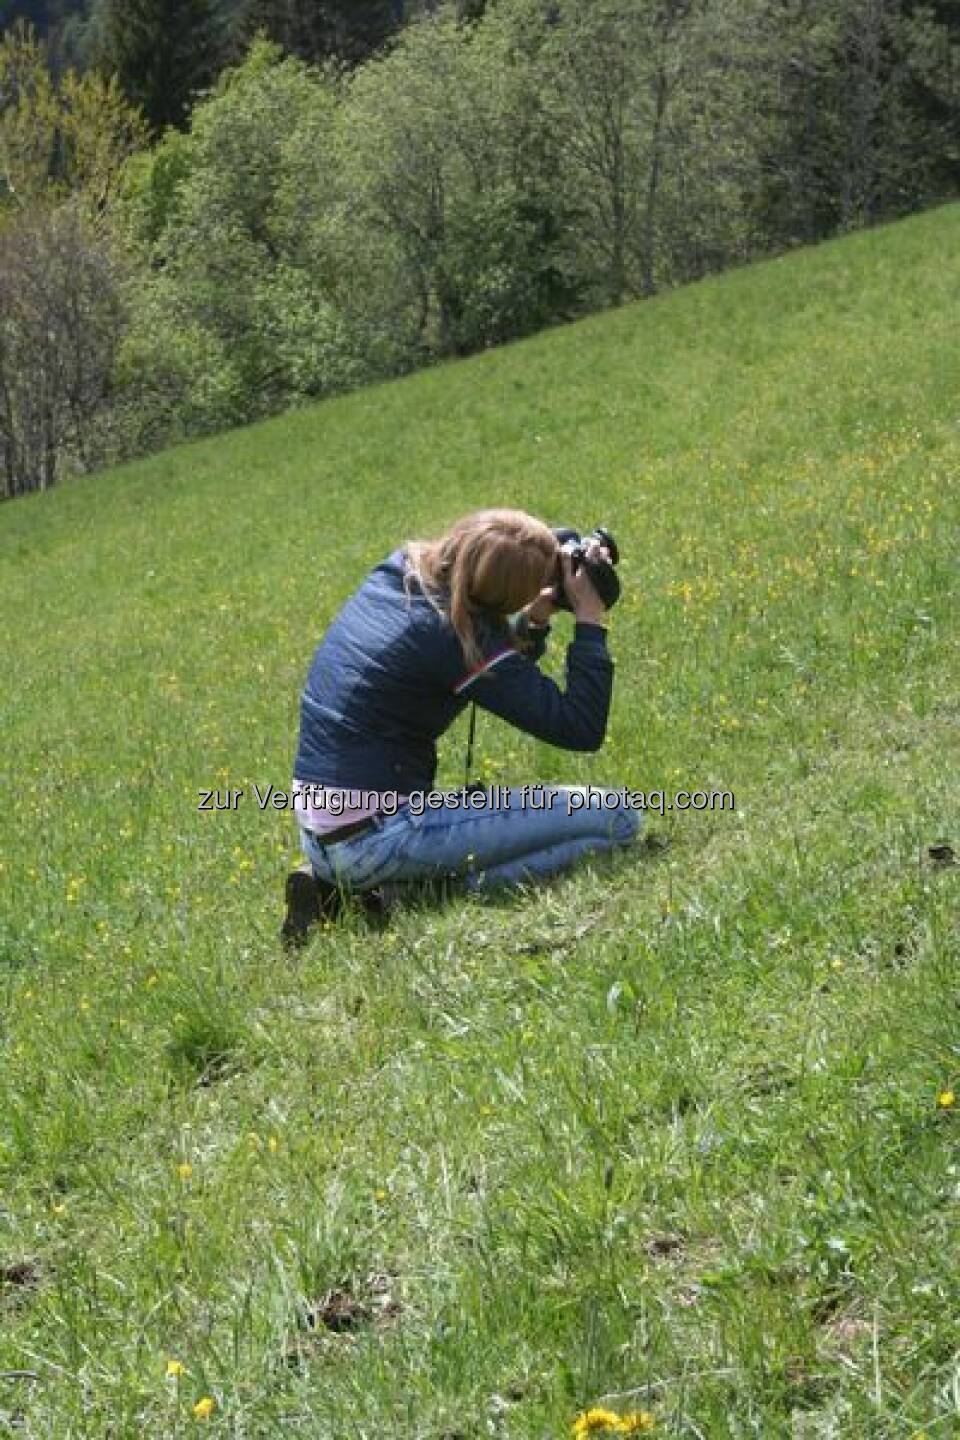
(663,1137)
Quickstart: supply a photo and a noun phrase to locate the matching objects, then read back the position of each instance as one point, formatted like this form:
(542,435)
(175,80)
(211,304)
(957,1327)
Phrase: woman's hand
(588,608)
(539,611)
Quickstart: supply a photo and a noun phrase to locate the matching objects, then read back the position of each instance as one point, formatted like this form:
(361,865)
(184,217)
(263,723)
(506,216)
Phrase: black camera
(602,575)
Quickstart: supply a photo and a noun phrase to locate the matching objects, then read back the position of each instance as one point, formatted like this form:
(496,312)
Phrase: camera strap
(471,737)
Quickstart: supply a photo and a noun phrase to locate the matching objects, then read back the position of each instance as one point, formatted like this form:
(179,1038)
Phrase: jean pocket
(358,863)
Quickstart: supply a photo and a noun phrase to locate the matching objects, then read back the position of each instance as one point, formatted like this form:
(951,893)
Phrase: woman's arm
(575,718)
(530,629)
(528,638)
(509,685)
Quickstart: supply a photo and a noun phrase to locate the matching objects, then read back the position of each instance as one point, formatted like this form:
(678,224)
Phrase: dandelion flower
(946,1099)
(175,1368)
(185,1170)
(596,1419)
(204,1408)
(639,1422)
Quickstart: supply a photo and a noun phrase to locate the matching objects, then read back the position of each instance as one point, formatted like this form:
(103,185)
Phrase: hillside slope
(673,1137)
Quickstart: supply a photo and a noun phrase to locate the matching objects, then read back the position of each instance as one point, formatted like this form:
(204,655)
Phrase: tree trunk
(647,283)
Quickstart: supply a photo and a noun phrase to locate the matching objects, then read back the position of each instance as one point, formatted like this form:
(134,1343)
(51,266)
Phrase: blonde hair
(492,560)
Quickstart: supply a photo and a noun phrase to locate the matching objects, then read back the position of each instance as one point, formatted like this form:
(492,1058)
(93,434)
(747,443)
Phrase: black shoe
(382,903)
(309,900)
(377,905)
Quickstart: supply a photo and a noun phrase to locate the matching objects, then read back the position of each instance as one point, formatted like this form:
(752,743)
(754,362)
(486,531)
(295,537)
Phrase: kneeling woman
(440,624)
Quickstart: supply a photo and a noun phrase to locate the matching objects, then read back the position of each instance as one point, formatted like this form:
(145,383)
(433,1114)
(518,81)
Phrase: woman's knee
(608,809)
(627,825)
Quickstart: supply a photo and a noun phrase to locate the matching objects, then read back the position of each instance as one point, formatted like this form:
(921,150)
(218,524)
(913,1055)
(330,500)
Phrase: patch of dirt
(659,1246)
(842,1335)
(19,1275)
(340,1314)
(339,1311)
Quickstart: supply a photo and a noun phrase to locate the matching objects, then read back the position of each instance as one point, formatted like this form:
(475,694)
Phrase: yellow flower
(185,1170)
(636,1423)
(946,1099)
(204,1408)
(595,1419)
(590,1421)
(175,1369)
(273,1144)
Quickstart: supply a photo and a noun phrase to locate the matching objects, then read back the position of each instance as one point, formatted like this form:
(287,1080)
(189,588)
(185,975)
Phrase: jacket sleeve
(528,638)
(575,718)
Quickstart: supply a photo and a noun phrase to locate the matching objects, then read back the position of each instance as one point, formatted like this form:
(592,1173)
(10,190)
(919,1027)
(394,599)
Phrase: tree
(864,119)
(615,67)
(59,23)
(934,42)
(312,228)
(72,135)
(164,53)
(452,195)
(43,15)
(698,215)
(63,145)
(29,113)
(225,317)
(99,131)
(318,30)
(60,316)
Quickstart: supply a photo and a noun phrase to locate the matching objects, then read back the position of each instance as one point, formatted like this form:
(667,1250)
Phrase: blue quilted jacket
(390,677)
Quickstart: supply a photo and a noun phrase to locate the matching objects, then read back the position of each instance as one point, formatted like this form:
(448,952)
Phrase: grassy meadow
(669,1146)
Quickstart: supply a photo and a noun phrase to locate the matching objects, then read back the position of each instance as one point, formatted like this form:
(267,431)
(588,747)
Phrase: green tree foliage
(164,52)
(309,233)
(932,36)
(462,216)
(654,102)
(491,170)
(60,319)
(61,24)
(318,30)
(863,119)
(71,134)
(63,144)
(29,114)
(222,301)
(43,15)
(482,178)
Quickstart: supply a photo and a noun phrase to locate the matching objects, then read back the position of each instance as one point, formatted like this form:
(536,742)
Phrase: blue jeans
(504,843)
